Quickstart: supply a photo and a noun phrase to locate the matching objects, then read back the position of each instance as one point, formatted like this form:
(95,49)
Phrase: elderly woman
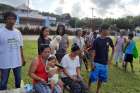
(71,75)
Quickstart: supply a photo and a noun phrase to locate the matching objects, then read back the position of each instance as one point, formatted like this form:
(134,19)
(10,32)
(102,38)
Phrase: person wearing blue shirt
(129,52)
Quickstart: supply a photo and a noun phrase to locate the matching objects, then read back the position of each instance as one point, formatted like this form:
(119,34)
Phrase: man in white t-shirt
(71,75)
(71,65)
(11,52)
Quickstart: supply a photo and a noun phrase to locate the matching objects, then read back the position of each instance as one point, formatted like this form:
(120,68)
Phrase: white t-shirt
(70,65)
(10,43)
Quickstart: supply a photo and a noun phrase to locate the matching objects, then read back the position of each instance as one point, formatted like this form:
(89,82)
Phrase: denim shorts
(99,73)
(42,88)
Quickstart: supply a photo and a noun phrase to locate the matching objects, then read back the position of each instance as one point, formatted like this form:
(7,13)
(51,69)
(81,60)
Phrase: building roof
(31,14)
(24,11)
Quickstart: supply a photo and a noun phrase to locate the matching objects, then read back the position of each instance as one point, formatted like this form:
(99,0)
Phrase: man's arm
(94,47)
(112,53)
(22,56)
(78,67)
(93,54)
(78,71)
(65,72)
(21,49)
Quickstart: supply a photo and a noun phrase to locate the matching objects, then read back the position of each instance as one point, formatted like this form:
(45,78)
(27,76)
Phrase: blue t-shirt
(101,48)
(130,47)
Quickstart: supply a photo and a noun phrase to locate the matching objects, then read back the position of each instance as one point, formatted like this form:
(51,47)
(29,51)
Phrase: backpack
(135,52)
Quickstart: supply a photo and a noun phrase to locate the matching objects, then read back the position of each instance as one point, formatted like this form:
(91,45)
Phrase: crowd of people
(54,68)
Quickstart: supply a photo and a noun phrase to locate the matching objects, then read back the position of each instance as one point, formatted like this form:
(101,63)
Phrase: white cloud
(82,8)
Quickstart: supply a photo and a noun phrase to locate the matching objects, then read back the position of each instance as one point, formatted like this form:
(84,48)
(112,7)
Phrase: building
(31,18)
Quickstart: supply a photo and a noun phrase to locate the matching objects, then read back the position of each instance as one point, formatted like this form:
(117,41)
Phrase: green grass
(119,81)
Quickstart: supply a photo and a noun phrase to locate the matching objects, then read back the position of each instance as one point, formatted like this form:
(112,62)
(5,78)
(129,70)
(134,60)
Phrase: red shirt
(40,71)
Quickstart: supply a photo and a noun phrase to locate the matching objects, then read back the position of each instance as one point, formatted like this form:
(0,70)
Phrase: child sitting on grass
(53,66)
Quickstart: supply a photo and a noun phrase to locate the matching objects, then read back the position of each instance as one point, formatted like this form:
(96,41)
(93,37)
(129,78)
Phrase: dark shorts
(128,58)
(75,87)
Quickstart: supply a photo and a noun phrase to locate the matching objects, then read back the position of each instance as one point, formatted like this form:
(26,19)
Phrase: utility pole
(28,4)
(92,12)
(92,21)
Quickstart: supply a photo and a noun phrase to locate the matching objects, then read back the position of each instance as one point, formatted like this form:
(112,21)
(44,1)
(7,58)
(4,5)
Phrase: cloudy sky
(82,8)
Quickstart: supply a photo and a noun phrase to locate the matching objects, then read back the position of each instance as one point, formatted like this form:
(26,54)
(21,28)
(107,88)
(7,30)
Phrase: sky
(83,8)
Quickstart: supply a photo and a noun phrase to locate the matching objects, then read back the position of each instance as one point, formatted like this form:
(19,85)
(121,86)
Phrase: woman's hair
(63,31)
(41,36)
(75,47)
(9,14)
(43,47)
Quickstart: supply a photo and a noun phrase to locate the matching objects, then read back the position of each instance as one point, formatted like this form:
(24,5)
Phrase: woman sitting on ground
(38,71)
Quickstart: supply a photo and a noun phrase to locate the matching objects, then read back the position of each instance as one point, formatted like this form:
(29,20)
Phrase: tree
(74,22)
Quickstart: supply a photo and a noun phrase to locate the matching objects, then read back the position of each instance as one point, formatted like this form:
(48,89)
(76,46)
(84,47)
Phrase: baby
(52,66)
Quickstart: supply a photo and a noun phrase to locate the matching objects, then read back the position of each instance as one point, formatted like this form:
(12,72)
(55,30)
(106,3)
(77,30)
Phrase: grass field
(119,81)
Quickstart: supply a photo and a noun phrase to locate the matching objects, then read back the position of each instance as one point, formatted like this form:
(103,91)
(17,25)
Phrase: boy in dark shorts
(129,52)
(100,55)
